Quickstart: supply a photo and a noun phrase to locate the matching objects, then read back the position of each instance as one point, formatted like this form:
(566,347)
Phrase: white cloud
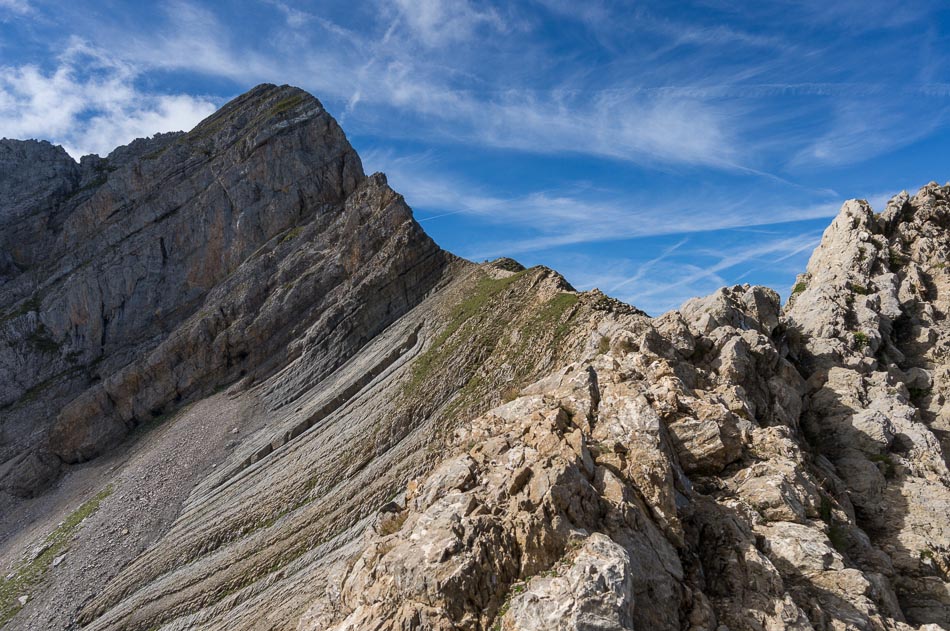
(611,124)
(20,7)
(89,103)
(765,251)
(459,71)
(387,74)
(194,40)
(863,129)
(438,22)
(295,17)
(123,121)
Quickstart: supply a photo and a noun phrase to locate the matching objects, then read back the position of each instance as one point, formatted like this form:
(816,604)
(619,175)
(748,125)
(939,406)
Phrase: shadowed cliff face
(337,425)
(181,263)
(35,178)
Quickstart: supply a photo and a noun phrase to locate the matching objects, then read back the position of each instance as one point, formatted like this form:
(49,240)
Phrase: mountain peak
(265,104)
(118,257)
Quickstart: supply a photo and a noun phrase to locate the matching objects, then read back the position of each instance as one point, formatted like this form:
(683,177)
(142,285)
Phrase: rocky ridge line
(439,445)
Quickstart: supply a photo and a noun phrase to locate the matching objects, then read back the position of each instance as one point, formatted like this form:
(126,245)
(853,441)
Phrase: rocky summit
(241,389)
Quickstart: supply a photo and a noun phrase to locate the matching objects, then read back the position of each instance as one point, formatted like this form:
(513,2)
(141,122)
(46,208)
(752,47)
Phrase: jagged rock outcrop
(678,461)
(338,426)
(871,315)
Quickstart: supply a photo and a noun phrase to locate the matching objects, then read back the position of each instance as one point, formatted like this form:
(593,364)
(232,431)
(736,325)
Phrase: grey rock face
(184,262)
(35,178)
(596,592)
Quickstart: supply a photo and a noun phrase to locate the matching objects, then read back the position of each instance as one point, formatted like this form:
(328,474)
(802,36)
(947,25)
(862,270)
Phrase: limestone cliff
(242,389)
(178,264)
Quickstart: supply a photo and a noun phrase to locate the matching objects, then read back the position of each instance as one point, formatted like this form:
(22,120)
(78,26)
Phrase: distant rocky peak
(266,107)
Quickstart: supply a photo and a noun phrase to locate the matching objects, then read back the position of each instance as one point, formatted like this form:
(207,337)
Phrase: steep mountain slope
(336,425)
(172,267)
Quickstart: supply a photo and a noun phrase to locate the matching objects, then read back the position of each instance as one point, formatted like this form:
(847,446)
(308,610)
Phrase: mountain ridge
(334,424)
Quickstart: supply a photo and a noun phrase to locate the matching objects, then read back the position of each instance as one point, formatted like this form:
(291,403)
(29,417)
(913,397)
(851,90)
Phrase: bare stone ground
(150,480)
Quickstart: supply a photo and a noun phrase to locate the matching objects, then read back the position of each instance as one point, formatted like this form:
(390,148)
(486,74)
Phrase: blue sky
(656,150)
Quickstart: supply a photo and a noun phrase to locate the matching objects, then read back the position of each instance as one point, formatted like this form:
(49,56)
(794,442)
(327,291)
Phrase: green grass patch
(890,469)
(551,315)
(859,289)
(485,290)
(28,574)
(287,104)
(798,288)
(30,304)
(860,339)
(546,328)
(603,345)
(42,340)
(293,233)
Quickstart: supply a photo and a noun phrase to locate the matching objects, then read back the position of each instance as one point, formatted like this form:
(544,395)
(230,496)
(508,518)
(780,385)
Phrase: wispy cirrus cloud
(393,69)
(438,22)
(869,126)
(667,89)
(767,251)
(194,39)
(686,269)
(576,214)
(295,17)
(567,221)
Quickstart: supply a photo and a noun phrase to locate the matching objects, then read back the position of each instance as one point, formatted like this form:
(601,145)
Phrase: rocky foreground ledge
(245,391)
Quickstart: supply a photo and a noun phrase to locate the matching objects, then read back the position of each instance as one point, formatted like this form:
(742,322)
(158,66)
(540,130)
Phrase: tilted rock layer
(242,389)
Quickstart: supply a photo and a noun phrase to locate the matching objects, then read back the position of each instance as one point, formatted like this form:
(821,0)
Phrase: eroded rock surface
(404,440)
(184,262)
